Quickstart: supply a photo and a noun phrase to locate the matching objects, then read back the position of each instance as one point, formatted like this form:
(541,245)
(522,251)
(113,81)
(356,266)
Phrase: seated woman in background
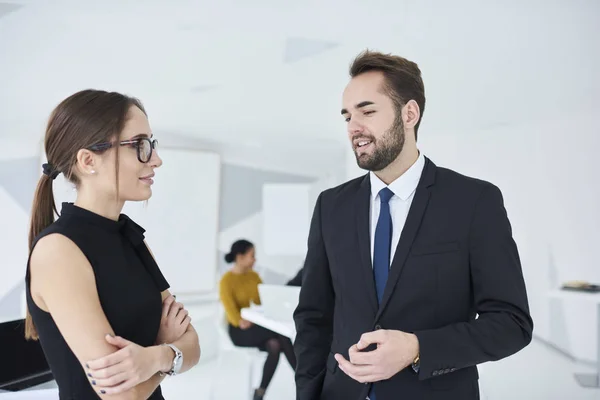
(239,287)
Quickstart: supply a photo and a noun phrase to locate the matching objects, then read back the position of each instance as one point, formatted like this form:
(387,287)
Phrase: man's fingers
(358,357)
(369,338)
(364,366)
(341,360)
(366,378)
(356,372)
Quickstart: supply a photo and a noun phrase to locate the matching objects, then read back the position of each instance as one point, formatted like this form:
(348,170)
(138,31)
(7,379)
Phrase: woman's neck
(237,269)
(101,206)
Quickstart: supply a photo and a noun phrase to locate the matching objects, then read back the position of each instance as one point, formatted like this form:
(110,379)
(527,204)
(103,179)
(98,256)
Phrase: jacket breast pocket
(423,249)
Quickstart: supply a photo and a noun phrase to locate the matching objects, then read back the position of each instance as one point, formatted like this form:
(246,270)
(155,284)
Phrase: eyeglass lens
(145,149)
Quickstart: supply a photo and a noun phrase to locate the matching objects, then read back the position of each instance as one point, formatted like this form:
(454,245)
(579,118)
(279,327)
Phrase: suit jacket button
(435,373)
(377,327)
(452,369)
(446,370)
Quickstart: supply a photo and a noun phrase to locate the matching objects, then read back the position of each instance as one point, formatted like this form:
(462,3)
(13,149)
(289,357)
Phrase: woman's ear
(86,162)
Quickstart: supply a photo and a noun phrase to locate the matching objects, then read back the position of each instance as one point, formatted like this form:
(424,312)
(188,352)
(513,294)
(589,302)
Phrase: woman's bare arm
(188,344)
(63,284)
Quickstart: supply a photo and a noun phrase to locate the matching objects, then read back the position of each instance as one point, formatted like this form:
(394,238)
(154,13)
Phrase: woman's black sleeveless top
(129,285)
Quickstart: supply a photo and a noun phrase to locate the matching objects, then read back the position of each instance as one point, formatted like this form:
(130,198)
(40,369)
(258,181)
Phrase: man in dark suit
(412,276)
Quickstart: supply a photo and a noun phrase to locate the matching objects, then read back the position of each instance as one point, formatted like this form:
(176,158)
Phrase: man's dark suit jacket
(455,282)
(296,280)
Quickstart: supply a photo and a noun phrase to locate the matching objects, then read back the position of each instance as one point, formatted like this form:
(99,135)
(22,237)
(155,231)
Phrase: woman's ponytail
(42,216)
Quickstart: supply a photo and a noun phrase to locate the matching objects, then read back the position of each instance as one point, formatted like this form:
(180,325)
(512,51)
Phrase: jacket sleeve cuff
(429,365)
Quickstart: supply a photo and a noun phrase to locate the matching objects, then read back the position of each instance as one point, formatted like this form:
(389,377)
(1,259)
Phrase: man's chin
(365,161)
(369,165)
(362,162)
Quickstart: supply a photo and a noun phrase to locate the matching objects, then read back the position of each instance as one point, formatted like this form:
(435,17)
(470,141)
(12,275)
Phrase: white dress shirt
(404,191)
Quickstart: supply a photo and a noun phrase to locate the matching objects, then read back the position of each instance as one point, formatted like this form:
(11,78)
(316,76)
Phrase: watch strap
(416,364)
(177,361)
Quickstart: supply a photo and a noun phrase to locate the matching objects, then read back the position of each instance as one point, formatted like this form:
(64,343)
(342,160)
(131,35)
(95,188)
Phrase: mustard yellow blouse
(236,291)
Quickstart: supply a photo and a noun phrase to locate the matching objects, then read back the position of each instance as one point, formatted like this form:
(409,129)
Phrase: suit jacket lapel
(411,227)
(362,212)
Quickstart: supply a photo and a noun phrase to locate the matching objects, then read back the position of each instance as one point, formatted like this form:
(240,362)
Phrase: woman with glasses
(97,301)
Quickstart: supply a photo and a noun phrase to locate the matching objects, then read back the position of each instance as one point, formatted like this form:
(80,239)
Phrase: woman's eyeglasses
(144,147)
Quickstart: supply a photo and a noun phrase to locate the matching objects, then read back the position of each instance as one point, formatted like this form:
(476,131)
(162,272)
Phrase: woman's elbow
(193,351)
(197,352)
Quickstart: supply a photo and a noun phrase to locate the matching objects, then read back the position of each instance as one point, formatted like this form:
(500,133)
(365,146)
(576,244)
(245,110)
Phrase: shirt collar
(124,225)
(405,185)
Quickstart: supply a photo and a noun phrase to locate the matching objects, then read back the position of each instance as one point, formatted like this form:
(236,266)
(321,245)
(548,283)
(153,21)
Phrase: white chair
(230,358)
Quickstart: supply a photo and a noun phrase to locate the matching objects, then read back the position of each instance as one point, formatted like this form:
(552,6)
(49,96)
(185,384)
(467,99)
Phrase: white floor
(535,373)
(538,372)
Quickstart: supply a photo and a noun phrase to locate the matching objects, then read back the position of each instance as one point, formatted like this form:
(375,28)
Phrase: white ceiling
(268,74)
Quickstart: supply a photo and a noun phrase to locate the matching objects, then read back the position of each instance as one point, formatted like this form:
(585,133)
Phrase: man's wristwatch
(177,361)
(416,364)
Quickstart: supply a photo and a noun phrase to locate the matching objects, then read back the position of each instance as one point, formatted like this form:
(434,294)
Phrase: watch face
(178,361)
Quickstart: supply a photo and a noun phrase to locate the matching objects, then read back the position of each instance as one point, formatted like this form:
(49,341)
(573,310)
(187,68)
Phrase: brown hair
(403,81)
(80,121)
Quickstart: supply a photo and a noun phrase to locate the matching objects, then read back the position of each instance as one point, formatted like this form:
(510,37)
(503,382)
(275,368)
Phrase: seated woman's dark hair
(238,247)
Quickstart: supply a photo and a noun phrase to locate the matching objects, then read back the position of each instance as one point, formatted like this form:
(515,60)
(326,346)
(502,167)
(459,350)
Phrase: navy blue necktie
(382,250)
(383,243)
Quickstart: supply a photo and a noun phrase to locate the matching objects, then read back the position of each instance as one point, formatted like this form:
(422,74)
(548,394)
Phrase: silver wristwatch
(177,361)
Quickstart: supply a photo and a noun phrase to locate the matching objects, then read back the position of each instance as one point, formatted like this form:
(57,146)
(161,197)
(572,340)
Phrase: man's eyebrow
(359,105)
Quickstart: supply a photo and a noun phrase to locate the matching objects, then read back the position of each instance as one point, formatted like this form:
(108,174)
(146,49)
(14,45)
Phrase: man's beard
(386,149)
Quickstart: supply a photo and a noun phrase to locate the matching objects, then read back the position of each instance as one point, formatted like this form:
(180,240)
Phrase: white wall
(17,182)
(549,178)
(286,218)
(291,206)
(304,159)
(181,219)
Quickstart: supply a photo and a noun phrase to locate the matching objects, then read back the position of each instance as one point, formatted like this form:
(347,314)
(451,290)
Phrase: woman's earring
(92,172)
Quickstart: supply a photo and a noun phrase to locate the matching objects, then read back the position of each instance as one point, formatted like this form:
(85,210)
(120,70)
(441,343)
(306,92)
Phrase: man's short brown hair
(403,80)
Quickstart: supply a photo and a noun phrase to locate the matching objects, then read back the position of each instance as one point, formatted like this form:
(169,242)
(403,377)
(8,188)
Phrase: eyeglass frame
(136,141)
